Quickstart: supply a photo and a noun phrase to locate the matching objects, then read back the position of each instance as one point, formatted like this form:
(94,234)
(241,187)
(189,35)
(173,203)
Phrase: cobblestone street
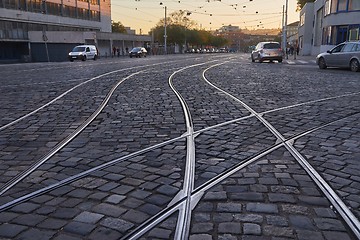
(198,146)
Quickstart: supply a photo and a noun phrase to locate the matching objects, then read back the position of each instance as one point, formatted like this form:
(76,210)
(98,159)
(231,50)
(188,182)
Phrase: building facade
(330,22)
(292,33)
(46,30)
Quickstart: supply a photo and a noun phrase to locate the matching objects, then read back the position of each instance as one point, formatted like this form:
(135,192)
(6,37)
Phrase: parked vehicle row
(344,55)
(207,50)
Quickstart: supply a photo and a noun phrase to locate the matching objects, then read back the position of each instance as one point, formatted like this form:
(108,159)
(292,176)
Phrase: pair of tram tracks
(188,197)
(15,180)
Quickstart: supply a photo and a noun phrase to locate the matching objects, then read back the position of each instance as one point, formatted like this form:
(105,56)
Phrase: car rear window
(271,46)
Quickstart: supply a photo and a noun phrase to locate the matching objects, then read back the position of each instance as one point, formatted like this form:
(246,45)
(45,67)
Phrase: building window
(333,5)
(354,5)
(69,11)
(302,19)
(94,2)
(22,5)
(36,6)
(94,15)
(10,4)
(342,34)
(354,33)
(326,36)
(342,5)
(53,8)
(327,9)
(83,13)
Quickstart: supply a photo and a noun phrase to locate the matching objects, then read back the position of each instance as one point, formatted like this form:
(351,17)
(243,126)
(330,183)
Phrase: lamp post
(165,33)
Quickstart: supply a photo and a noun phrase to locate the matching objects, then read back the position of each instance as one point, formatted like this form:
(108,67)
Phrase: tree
(177,18)
(117,27)
(180,29)
(301,3)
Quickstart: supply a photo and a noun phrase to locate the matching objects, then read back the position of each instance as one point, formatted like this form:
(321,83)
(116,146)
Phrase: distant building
(326,23)
(292,33)
(228,29)
(38,30)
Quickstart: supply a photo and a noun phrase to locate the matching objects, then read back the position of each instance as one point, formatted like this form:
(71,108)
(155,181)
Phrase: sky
(142,15)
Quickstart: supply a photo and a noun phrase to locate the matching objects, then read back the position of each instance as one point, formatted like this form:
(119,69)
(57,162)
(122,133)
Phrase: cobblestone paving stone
(251,83)
(210,107)
(164,230)
(334,151)
(38,134)
(301,119)
(108,138)
(273,198)
(116,199)
(220,149)
(35,84)
(28,141)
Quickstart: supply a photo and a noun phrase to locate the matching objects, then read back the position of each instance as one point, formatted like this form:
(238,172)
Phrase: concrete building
(42,30)
(326,23)
(292,33)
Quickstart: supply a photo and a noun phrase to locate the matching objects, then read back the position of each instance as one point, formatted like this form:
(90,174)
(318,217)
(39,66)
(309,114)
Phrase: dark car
(267,51)
(344,55)
(138,52)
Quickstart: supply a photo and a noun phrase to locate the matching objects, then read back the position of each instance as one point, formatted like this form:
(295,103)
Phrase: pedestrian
(127,50)
(114,51)
(118,52)
(291,50)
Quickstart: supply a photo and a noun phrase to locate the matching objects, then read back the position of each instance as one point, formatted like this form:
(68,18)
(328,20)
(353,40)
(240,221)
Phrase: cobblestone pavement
(100,149)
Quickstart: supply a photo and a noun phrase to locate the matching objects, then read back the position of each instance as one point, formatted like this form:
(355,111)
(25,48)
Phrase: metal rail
(334,199)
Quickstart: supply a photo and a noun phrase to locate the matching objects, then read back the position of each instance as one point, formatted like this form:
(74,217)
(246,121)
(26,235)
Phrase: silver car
(267,51)
(344,55)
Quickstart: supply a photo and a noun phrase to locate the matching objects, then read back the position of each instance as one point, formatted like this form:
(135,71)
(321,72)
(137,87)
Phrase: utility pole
(285,28)
(165,35)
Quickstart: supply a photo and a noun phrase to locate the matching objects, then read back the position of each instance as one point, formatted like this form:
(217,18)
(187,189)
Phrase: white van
(83,52)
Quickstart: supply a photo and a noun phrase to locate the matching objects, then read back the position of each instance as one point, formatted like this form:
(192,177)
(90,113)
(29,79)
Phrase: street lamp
(165,33)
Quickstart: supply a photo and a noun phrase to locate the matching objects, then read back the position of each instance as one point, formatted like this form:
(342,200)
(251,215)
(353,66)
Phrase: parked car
(83,52)
(344,55)
(267,51)
(138,52)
